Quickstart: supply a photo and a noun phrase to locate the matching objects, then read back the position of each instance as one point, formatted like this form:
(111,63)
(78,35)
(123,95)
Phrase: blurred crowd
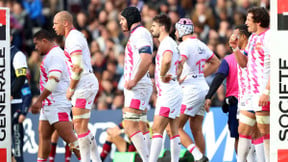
(98,20)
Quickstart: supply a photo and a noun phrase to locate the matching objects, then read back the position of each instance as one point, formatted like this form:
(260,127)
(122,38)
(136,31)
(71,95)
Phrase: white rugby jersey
(242,83)
(167,44)
(258,65)
(139,38)
(196,54)
(54,60)
(76,42)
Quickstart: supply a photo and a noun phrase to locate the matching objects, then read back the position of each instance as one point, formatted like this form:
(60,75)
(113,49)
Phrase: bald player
(83,83)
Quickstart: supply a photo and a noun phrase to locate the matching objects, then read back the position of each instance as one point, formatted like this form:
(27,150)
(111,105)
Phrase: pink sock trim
(192,149)
(266,137)
(243,136)
(157,136)
(257,141)
(146,132)
(174,137)
(84,134)
(41,160)
(135,133)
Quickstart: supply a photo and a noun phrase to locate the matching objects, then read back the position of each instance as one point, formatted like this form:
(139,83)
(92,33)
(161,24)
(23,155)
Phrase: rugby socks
(139,142)
(67,153)
(243,147)
(192,148)
(131,148)
(106,150)
(267,147)
(95,157)
(84,146)
(251,157)
(175,147)
(52,152)
(155,147)
(147,139)
(41,159)
(259,148)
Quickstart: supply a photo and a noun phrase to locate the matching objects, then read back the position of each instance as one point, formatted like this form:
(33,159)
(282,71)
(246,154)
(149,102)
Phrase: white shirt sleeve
(19,60)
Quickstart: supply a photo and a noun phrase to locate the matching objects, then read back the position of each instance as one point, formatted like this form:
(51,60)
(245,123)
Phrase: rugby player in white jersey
(198,61)
(169,96)
(55,108)
(83,83)
(138,85)
(256,58)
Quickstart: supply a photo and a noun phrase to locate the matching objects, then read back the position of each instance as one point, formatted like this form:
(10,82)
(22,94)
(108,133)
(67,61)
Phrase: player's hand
(130,84)
(233,41)
(181,80)
(166,78)
(207,104)
(21,118)
(264,99)
(69,93)
(35,108)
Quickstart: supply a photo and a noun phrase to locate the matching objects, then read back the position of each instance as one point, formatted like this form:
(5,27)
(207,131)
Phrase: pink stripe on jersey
(54,70)
(210,57)
(76,51)
(84,134)
(135,133)
(157,136)
(167,51)
(164,111)
(183,108)
(174,137)
(182,55)
(80,103)
(63,116)
(43,80)
(52,48)
(266,107)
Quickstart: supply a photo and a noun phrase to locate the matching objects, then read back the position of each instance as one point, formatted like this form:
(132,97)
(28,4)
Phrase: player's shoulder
(141,32)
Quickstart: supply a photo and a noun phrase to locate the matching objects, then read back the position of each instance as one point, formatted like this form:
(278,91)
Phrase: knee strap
(82,116)
(131,116)
(143,117)
(246,120)
(74,145)
(263,119)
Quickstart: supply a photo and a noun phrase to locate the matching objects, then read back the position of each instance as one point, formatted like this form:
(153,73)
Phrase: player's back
(197,54)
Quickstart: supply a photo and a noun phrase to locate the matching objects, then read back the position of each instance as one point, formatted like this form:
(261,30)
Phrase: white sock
(156,146)
(267,147)
(175,147)
(138,140)
(251,157)
(147,140)
(94,149)
(244,145)
(84,146)
(192,148)
(41,159)
(259,148)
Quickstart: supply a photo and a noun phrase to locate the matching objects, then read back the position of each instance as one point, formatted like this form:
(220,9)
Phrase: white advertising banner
(5,121)
(279,81)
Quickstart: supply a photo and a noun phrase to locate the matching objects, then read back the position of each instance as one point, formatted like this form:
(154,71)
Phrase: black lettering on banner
(283,100)
(3,126)
(2,57)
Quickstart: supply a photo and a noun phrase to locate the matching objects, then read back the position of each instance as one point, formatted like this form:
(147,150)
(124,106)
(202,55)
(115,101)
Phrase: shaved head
(63,23)
(64,16)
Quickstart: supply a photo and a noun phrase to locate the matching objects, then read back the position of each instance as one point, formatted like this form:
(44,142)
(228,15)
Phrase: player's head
(184,27)
(161,23)
(242,33)
(62,20)
(42,39)
(257,17)
(128,17)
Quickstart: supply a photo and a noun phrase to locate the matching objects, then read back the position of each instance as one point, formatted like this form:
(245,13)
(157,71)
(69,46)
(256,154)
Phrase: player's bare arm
(165,66)
(212,66)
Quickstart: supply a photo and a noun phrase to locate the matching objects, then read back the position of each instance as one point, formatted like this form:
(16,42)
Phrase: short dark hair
(164,20)
(44,34)
(243,29)
(260,15)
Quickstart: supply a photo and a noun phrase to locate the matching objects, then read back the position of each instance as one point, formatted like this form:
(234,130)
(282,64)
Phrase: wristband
(266,92)
(71,90)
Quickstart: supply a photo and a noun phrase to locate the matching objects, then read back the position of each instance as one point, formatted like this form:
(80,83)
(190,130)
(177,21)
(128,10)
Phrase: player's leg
(144,127)
(263,123)
(175,142)
(54,139)
(257,141)
(45,131)
(233,122)
(159,125)
(65,131)
(196,129)
(246,124)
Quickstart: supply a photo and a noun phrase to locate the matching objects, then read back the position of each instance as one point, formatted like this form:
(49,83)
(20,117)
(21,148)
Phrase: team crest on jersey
(258,46)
